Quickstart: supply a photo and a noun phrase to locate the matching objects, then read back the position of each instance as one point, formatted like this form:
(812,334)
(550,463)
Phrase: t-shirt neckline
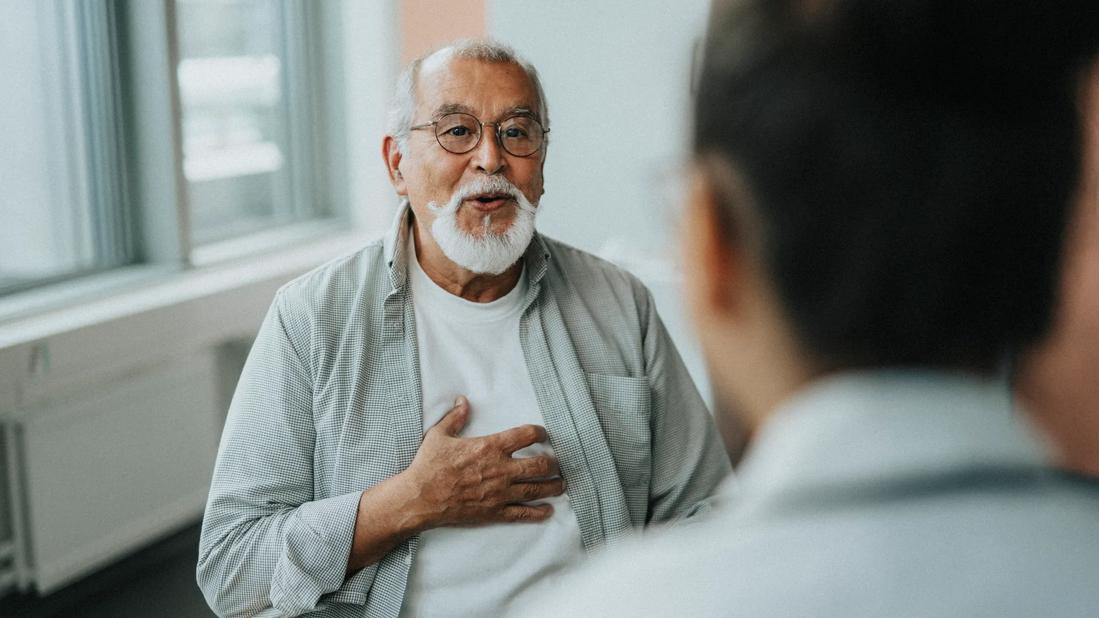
(428,295)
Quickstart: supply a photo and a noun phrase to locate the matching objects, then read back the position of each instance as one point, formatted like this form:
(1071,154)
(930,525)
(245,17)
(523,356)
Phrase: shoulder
(590,273)
(668,573)
(333,289)
(1013,557)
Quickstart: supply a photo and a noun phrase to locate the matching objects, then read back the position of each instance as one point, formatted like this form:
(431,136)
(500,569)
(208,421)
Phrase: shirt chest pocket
(624,406)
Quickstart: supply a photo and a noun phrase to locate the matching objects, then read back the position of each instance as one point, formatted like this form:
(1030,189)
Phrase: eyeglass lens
(459,133)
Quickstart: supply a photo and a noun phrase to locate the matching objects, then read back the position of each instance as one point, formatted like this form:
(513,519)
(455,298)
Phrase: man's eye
(514,133)
(458,131)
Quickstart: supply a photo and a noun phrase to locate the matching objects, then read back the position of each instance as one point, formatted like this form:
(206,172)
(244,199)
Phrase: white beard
(487,253)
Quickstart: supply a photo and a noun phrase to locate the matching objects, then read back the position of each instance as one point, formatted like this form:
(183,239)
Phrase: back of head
(906,167)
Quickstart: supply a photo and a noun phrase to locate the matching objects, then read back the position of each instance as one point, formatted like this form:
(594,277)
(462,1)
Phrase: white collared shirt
(888,493)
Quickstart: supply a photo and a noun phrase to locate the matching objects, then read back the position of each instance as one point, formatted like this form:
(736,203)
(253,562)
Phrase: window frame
(88,120)
(314,167)
(129,116)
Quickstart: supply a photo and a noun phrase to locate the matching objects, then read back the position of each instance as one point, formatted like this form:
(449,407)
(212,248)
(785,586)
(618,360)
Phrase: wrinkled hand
(472,481)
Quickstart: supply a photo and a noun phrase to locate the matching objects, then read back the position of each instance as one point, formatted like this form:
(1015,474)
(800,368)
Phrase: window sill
(53,310)
(265,241)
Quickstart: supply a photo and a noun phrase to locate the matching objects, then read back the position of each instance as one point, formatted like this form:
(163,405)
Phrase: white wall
(370,58)
(617,79)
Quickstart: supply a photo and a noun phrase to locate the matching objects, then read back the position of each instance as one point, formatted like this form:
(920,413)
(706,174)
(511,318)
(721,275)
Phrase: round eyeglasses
(459,133)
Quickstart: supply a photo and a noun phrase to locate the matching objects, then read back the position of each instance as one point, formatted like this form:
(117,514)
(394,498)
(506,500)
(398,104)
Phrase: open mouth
(490,201)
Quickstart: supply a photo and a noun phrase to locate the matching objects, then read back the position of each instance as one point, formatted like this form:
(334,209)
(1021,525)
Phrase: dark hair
(908,166)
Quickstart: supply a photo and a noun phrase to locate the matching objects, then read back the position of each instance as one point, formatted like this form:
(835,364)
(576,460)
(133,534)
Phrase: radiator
(97,472)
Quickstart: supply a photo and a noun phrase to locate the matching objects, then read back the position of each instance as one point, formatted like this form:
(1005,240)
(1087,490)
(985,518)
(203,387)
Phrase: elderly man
(876,216)
(386,447)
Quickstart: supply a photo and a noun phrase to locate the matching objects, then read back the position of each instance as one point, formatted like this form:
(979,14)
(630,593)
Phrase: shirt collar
(872,427)
(395,242)
(537,254)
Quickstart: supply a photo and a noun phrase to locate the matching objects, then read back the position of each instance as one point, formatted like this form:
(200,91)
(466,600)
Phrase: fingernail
(458,401)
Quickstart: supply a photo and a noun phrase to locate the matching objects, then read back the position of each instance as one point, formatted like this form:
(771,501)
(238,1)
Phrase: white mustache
(488,184)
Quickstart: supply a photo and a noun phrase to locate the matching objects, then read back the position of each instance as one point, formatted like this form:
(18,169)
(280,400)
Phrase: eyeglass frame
(499,140)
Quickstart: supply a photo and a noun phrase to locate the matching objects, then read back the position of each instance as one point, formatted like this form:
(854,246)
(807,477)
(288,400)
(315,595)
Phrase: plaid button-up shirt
(329,404)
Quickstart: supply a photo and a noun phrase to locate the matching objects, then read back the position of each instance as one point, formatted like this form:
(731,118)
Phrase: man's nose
(488,156)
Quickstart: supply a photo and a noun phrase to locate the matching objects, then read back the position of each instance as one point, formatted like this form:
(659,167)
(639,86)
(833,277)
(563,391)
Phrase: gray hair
(403,105)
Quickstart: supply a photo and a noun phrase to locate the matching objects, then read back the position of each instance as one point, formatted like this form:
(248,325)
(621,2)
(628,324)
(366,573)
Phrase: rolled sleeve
(317,538)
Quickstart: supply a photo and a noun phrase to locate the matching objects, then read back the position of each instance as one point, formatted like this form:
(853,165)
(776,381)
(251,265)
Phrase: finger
(455,419)
(535,490)
(530,513)
(511,440)
(535,468)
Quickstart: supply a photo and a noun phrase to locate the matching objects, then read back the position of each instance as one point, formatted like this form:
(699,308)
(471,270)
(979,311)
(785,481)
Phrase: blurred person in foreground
(385,451)
(1058,382)
(875,219)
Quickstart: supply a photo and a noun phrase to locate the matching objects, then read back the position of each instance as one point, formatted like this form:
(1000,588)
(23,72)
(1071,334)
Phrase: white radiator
(100,471)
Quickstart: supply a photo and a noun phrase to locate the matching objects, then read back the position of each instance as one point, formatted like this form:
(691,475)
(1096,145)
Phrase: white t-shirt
(473,349)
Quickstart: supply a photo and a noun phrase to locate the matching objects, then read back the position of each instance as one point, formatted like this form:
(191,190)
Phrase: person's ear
(391,153)
(713,257)
(542,169)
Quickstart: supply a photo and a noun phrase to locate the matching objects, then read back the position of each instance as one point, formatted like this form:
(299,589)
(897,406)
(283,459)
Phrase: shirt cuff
(315,547)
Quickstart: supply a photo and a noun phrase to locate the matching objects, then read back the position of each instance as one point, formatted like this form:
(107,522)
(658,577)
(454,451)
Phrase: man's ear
(542,169)
(713,258)
(391,153)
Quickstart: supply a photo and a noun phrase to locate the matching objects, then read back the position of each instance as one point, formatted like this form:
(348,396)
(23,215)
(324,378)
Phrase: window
(62,203)
(246,141)
(144,131)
